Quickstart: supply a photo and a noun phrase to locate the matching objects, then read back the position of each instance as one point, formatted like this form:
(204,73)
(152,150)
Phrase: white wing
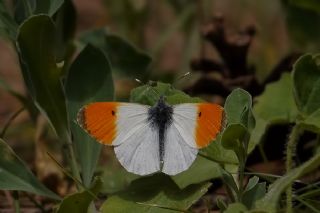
(180,149)
(139,153)
(136,143)
(178,155)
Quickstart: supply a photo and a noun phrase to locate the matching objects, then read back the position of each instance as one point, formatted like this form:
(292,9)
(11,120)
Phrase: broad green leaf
(89,80)
(203,168)
(79,202)
(306,79)
(125,58)
(238,108)
(236,208)
(36,40)
(65,21)
(116,179)
(158,190)
(267,109)
(15,175)
(270,201)
(8,27)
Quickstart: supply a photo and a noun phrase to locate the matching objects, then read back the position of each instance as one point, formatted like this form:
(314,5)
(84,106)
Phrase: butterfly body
(148,139)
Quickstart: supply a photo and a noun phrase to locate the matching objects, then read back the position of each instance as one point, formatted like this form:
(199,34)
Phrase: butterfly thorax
(160,117)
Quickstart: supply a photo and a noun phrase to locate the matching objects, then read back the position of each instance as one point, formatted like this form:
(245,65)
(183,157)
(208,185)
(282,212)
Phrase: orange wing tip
(99,121)
(210,122)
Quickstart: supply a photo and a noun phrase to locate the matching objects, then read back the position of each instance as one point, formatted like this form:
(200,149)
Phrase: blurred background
(224,44)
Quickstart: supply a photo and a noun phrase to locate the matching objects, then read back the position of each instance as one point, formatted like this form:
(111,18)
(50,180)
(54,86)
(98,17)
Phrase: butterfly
(149,139)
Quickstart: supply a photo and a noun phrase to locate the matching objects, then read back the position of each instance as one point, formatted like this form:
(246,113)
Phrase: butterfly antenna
(181,78)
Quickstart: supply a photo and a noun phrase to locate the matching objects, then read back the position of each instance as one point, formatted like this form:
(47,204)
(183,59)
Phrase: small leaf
(157,190)
(306,78)
(150,93)
(253,192)
(252,183)
(42,76)
(233,136)
(238,108)
(89,80)
(79,202)
(125,58)
(270,201)
(15,175)
(236,208)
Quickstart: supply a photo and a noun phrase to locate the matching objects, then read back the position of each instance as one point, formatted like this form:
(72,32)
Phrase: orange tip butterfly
(148,139)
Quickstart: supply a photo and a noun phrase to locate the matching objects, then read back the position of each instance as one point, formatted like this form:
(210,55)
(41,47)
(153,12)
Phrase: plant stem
(6,126)
(71,157)
(290,152)
(16,203)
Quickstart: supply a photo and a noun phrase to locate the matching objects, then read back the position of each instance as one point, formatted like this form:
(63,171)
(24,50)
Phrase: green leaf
(49,7)
(270,201)
(312,122)
(26,8)
(125,58)
(79,202)
(253,192)
(8,27)
(116,179)
(36,40)
(218,153)
(233,136)
(306,78)
(230,182)
(252,183)
(205,170)
(236,208)
(158,190)
(313,5)
(150,93)
(238,108)
(267,109)
(305,36)
(89,80)
(15,175)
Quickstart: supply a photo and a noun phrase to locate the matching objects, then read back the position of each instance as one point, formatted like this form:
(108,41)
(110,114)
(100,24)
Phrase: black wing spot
(199,114)
(113,112)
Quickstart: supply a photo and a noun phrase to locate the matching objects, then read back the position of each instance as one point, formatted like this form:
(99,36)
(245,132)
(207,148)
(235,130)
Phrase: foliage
(63,73)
